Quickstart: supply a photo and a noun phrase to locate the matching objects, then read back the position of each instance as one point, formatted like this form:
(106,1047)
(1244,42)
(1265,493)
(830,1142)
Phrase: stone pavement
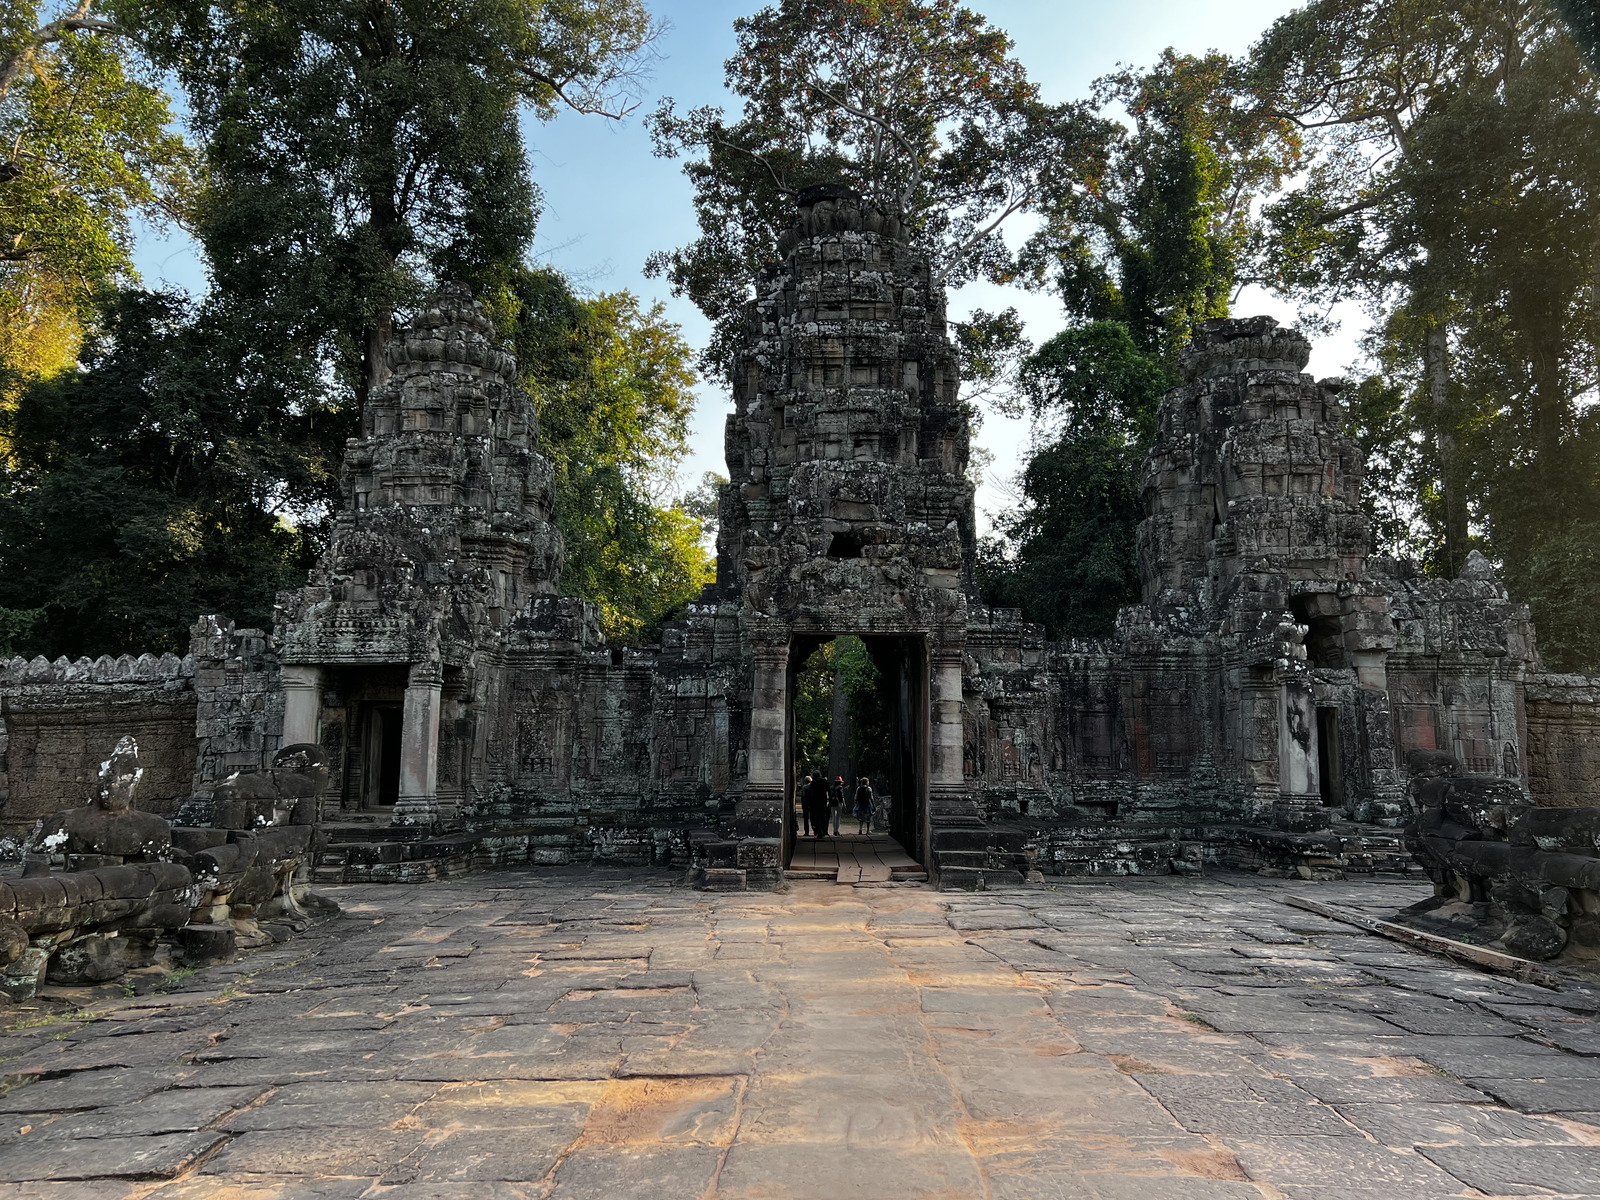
(571,1033)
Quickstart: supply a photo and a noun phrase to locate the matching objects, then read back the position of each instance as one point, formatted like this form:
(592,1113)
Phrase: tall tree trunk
(374,369)
(1446,444)
(839,731)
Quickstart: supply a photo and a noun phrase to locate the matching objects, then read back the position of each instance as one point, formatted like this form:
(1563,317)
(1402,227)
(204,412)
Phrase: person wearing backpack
(835,802)
(864,807)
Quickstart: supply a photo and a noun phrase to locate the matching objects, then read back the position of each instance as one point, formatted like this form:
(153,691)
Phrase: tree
(1583,18)
(1156,235)
(87,146)
(144,490)
(1069,555)
(614,391)
(1455,187)
(359,152)
(1160,228)
(916,104)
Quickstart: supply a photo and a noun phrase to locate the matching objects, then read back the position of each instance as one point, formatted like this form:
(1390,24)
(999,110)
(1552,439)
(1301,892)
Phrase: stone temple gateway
(1258,707)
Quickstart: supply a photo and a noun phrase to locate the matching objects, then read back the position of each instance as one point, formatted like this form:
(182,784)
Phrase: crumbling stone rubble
(130,879)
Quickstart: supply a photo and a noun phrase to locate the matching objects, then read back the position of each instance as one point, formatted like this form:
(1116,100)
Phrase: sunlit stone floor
(572,1033)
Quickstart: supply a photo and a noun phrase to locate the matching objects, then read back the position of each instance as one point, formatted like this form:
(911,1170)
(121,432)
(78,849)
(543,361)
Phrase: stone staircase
(365,850)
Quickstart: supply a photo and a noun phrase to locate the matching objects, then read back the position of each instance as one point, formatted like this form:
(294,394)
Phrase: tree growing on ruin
(1454,187)
(917,104)
(86,145)
(1157,233)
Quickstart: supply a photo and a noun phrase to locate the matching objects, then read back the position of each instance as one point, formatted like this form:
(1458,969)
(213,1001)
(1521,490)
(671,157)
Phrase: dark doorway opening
(1325,634)
(1330,771)
(857,707)
(385,754)
(844,545)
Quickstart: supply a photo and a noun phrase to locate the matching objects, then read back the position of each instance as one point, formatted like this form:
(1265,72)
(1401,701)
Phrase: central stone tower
(848,511)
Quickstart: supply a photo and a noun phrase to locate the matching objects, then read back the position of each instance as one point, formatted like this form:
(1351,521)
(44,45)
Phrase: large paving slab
(572,1033)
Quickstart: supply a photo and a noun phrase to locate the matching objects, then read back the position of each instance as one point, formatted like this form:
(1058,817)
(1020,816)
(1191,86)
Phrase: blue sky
(608,202)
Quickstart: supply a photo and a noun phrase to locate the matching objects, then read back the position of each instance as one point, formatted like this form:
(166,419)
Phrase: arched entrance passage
(900,771)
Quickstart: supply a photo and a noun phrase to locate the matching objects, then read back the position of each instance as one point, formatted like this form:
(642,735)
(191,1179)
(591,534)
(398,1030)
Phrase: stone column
(302,704)
(954,836)
(946,727)
(758,819)
(1299,797)
(418,803)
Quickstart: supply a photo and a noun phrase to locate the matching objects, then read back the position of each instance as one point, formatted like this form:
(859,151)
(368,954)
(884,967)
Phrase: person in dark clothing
(800,794)
(816,804)
(835,802)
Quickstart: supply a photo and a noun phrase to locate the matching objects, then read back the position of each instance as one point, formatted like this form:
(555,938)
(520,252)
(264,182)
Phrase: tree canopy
(1453,186)
(85,148)
(919,105)
(141,491)
(358,153)
(1154,234)
(613,384)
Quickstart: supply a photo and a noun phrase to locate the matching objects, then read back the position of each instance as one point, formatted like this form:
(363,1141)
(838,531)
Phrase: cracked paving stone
(567,1033)
(1523,1170)
(154,1157)
(1454,1125)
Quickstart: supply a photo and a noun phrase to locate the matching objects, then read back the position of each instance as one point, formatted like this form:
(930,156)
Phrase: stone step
(960,858)
(961,879)
(338,832)
(946,840)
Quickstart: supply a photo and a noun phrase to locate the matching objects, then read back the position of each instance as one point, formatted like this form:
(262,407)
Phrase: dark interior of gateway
(857,709)
(369,703)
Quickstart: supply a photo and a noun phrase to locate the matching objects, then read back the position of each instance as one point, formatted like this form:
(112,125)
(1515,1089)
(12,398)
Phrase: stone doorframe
(418,802)
(935,707)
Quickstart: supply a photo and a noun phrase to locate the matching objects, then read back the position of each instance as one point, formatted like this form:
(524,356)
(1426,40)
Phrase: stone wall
(238,693)
(60,720)
(1563,715)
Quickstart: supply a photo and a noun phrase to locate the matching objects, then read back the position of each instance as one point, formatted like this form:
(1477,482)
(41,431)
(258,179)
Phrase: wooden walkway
(865,858)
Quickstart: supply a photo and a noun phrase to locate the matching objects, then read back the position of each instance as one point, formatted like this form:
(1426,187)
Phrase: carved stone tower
(444,534)
(1256,547)
(848,509)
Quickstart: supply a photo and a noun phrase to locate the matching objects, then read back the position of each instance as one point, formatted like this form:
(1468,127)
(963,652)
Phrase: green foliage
(813,711)
(1158,228)
(1454,187)
(1401,473)
(142,491)
(1560,580)
(1068,554)
(844,661)
(1152,238)
(15,624)
(917,104)
(614,390)
(358,153)
(1583,20)
(85,145)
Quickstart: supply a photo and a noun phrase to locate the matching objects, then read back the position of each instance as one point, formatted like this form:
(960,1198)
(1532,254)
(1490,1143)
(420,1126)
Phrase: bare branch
(78,20)
(978,235)
(760,158)
(866,116)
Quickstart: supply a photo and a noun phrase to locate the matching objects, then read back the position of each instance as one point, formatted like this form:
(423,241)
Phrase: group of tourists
(821,803)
